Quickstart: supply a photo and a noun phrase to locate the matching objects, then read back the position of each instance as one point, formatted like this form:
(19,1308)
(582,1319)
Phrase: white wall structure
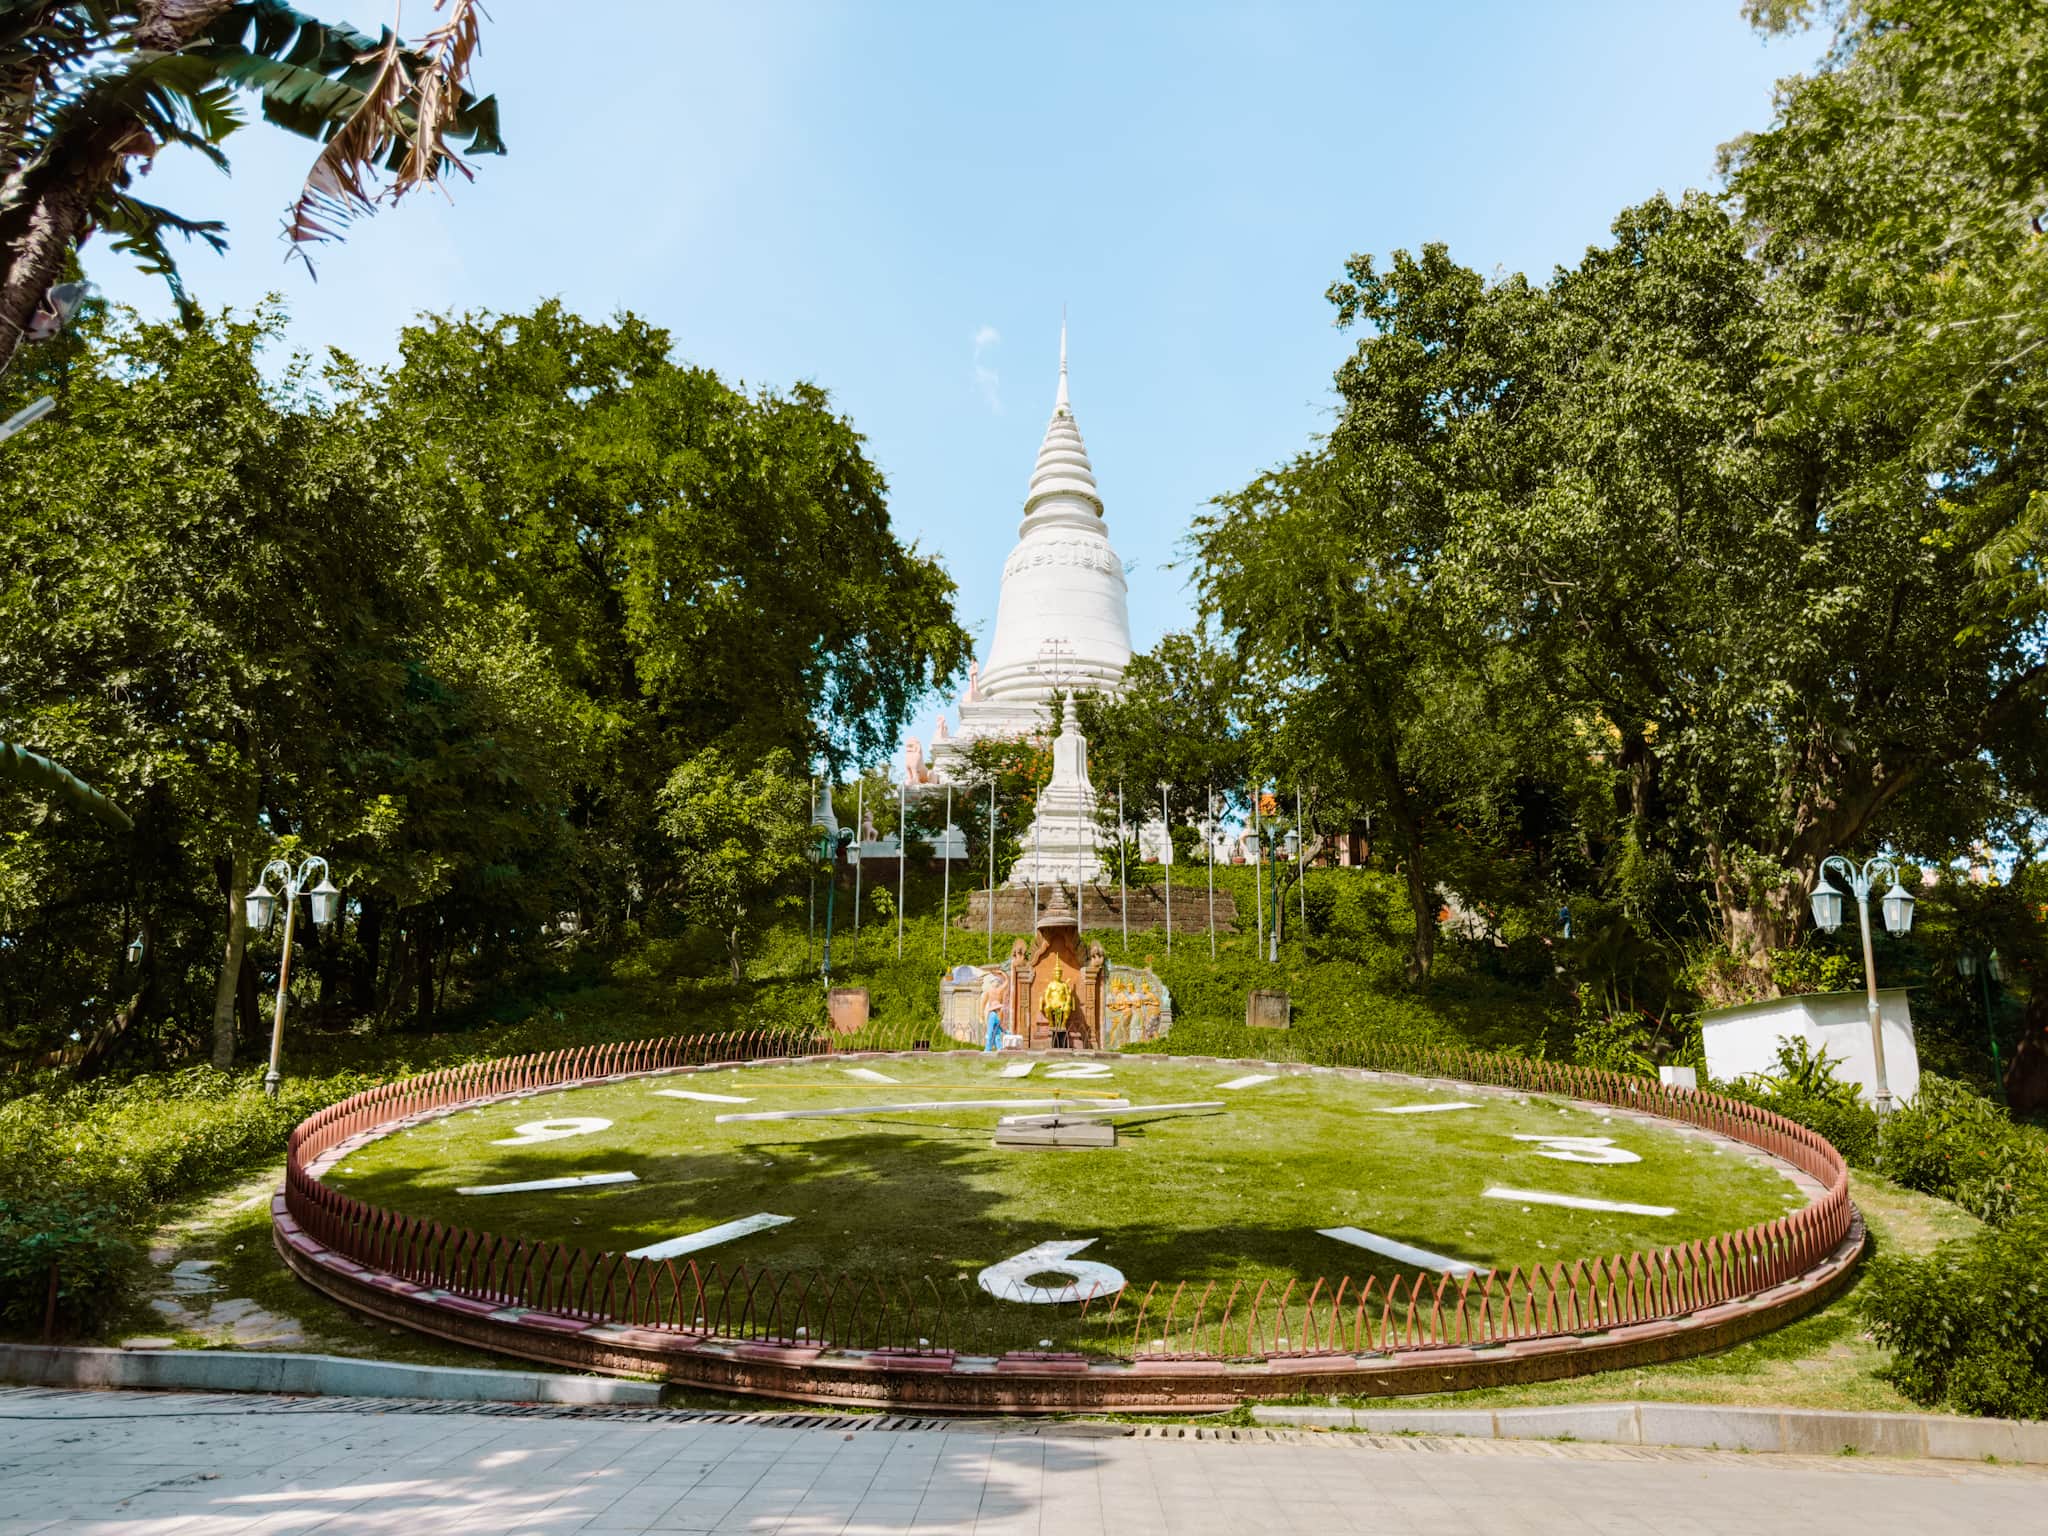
(1062,620)
(1744,1040)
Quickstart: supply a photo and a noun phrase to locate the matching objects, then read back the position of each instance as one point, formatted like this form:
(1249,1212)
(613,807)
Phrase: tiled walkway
(136,1463)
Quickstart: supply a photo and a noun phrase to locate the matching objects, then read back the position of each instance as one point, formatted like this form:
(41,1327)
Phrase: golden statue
(1059,997)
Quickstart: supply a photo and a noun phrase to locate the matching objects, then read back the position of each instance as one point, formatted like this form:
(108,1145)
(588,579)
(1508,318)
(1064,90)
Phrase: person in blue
(993,986)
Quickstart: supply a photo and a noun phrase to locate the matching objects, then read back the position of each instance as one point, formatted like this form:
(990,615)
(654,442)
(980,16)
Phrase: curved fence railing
(1206,1319)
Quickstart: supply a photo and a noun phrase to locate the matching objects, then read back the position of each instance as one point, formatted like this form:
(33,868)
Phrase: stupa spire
(1063,473)
(1060,407)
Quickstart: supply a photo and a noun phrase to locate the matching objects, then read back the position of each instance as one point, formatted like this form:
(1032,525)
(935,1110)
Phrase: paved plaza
(155,1463)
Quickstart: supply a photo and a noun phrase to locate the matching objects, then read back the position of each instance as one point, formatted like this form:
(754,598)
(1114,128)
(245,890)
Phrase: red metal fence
(1186,1320)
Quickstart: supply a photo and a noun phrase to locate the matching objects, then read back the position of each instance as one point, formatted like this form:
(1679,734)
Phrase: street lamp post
(260,908)
(1986,969)
(1898,919)
(831,844)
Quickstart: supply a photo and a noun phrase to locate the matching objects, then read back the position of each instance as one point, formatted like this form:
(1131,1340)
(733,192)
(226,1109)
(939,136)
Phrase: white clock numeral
(1582,1149)
(553,1130)
(1086,1070)
(1009,1280)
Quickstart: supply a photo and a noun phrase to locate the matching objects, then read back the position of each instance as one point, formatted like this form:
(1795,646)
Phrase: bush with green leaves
(83,1239)
(1955,1143)
(1804,1088)
(1968,1324)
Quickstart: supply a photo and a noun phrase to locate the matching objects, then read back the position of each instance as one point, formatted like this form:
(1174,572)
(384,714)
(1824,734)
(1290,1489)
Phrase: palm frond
(443,89)
(377,104)
(137,229)
(340,184)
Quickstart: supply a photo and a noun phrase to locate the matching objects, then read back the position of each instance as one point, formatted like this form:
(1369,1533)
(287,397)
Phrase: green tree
(707,567)
(1180,720)
(1902,193)
(742,838)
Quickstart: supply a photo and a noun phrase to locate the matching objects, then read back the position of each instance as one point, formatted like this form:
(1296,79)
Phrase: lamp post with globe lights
(260,907)
(1897,904)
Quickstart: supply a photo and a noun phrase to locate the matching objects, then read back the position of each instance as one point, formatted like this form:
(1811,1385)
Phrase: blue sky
(894,200)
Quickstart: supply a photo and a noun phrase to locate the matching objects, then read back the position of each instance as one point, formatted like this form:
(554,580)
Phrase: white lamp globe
(326,898)
(259,907)
(1898,909)
(1827,906)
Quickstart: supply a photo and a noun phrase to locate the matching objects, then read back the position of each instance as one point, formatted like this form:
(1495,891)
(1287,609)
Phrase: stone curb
(1792,1431)
(290,1375)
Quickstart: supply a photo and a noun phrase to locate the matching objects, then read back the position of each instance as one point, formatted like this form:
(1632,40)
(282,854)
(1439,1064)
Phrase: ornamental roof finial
(1059,404)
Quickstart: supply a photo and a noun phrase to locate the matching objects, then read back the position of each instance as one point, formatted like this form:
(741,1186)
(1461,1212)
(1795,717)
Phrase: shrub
(1806,1090)
(83,1239)
(1968,1324)
(1957,1144)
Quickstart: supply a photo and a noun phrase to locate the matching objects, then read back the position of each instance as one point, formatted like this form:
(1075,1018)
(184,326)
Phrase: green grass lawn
(1215,1195)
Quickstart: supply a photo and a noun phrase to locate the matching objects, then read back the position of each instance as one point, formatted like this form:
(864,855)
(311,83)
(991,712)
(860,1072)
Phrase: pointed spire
(1060,407)
(1063,471)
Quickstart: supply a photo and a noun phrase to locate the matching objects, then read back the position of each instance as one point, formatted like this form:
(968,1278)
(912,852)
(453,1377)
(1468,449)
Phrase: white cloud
(986,379)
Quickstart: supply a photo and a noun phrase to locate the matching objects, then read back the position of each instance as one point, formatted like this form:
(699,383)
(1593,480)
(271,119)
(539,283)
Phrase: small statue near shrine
(993,985)
(1059,998)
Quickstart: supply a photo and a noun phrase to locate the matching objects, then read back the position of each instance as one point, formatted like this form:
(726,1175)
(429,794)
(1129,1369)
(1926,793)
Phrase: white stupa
(1061,844)
(1061,620)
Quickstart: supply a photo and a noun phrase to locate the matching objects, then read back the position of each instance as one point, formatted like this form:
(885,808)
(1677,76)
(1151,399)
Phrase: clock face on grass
(1218,1173)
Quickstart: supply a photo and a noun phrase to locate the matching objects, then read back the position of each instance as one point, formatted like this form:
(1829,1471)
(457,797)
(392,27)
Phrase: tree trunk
(391,990)
(732,950)
(227,990)
(423,968)
(248,1001)
(1755,919)
(370,945)
(1422,901)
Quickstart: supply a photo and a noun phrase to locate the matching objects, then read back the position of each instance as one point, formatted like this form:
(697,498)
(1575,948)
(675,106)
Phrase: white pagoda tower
(1061,620)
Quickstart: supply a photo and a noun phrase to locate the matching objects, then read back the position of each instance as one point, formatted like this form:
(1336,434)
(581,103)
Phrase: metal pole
(902,857)
(946,877)
(1301,872)
(273,1076)
(1258,859)
(1882,1097)
(1081,851)
(1166,831)
(991,869)
(1123,889)
(860,830)
(1209,856)
(811,935)
(1990,1033)
(831,847)
(1036,807)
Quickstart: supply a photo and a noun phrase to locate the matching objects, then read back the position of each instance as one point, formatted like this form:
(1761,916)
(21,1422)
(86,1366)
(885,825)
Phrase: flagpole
(1301,869)
(1166,829)
(860,828)
(1037,805)
(811,937)
(991,868)
(946,877)
(902,854)
(1258,861)
(1210,853)
(1123,889)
